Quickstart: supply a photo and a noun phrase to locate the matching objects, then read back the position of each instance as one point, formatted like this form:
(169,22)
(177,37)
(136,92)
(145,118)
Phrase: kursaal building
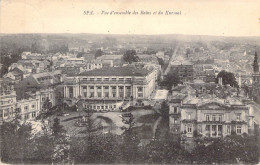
(108,88)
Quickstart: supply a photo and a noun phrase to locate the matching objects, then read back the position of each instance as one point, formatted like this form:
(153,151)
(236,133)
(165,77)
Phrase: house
(7,100)
(45,83)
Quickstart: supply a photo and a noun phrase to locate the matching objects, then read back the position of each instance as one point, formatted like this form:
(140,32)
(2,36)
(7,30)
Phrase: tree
(47,104)
(129,147)
(57,128)
(130,56)
(15,142)
(164,109)
(231,149)
(171,79)
(165,152)
(98,53)
(227,78)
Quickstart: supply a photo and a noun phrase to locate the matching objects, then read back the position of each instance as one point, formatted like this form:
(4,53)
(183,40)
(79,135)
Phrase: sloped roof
(116,71)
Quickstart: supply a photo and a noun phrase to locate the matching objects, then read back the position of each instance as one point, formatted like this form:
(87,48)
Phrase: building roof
(116,71)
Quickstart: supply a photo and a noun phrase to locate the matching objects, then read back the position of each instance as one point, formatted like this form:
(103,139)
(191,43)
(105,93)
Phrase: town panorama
(119,99)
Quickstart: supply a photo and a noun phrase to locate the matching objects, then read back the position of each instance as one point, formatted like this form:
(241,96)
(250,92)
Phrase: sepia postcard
(129,82)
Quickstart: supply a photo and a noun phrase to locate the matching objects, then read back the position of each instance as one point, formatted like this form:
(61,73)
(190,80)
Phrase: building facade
(28,109)
(185,71)
(214,119)
(7,100)
(115,83)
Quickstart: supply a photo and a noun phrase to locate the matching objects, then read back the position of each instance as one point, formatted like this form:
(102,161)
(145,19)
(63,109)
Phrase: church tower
(256,80)
(255,65)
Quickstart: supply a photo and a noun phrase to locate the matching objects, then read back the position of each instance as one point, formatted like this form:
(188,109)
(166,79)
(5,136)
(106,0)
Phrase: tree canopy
(171,79)
(130,56)
(227,78)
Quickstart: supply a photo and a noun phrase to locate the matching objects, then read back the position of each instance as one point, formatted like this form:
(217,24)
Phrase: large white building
(114,83)
(28,108)
(7,100)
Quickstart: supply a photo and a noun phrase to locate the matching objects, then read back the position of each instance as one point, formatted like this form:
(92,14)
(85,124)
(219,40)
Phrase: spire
(255,65)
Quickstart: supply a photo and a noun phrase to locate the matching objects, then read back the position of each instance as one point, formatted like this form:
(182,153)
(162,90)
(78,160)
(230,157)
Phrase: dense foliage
(227,78)
(130,56)
(170,80)
(20,146)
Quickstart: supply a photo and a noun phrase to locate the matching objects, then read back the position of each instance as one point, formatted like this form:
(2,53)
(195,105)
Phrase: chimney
(239,81)
(220,81)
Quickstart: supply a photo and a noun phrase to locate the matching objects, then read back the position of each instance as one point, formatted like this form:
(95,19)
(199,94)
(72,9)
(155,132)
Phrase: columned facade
(120,87)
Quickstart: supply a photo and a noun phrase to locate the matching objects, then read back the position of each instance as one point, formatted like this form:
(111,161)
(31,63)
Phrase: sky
(198,17)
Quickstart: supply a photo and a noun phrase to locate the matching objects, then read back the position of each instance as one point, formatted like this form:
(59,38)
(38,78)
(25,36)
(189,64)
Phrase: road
(172,58)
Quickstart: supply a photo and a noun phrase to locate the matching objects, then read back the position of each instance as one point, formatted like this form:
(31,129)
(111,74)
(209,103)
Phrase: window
(33,106)
(99,94)
(238,116)
(106,94)
(92,79)
(207,117)
(121,79)
(220,117)
(213,127)
(140,94)
(91,94)
(228,129)
(106,79)
(140,89)
(99,79)
(189,129)
(98,107)
(33,114)
(219,128)
(239,129)
(213,118)
(207,127)
(113,79)
(175,109)
(26,116)
(26,108)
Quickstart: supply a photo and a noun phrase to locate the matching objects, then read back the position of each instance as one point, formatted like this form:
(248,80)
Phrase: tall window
(239,129)
(207,117)
(175,109)
(220,117)
(207,127)
(213,118)
(228,129)
(219,128)
(213,127)
(189,129)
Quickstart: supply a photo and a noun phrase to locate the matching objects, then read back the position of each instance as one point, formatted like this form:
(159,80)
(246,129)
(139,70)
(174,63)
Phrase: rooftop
(116,71)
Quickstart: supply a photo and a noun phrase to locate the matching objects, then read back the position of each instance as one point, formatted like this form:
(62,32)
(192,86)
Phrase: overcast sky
(198,17)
